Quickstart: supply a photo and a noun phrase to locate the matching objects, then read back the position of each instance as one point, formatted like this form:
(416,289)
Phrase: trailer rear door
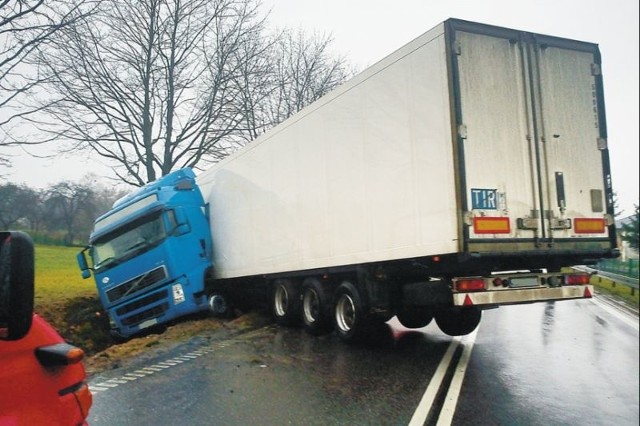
(531,141)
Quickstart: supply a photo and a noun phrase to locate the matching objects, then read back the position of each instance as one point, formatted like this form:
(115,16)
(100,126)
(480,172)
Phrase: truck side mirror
(82,263)
(16,284)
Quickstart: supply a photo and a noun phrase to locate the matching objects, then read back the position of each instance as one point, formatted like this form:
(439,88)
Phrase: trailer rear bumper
(528,295)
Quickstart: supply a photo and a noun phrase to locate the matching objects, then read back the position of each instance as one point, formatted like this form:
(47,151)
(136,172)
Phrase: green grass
(58,277)
(66,300)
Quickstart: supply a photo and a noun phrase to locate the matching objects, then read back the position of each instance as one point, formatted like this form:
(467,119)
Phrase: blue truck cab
(151,254)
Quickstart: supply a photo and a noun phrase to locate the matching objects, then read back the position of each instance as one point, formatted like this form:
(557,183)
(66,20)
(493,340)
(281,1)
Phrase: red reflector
(587,293)
(467,301)
(470,285)
(588,226)
(577,279)
(491,225)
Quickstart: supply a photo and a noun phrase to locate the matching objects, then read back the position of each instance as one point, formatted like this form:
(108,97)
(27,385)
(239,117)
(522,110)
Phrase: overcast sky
(367,30)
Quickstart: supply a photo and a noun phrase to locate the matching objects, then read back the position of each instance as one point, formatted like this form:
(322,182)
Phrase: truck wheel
(285,302)
(349,314)
(314,307)
(218,305)
(414,318)
(458,322)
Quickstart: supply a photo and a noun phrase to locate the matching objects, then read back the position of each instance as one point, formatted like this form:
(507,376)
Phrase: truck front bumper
(516,296)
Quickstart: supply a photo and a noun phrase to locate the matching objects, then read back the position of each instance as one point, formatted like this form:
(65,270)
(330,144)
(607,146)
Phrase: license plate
(523,282)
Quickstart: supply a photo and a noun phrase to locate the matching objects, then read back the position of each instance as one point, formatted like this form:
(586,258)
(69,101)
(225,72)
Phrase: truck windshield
(128,241)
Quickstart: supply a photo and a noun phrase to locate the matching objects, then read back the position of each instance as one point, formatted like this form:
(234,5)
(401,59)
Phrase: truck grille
(140,282)
(148,300)
(143,316)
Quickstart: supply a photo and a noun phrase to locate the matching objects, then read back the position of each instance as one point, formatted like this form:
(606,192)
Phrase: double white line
(449,406)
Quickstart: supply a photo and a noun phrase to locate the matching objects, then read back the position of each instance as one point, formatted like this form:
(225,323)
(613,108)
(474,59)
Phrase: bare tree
(26,25)
(15,203)
(65,202)
(304,71)
(282,74)
(155,85)
(147,84)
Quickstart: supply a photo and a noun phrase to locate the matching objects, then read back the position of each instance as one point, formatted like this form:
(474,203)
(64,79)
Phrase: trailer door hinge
(462,131)
(596,69)
(602,144)
(457,47)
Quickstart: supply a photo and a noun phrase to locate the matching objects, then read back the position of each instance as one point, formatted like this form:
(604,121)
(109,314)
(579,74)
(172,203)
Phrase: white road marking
(157,366)
(421,413)
(451,400)
(160,366)
(108,385)
(153,368)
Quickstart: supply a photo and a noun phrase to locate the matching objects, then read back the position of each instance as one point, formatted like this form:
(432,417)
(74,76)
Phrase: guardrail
(620,273)
(627,268)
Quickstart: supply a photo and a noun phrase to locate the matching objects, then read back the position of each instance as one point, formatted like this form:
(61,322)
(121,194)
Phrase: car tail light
(577,279)
(84,398)
(470,284)
(59,354)
(81,394)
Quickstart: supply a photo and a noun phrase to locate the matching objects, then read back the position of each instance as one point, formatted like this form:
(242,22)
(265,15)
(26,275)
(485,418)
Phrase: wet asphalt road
(571,362)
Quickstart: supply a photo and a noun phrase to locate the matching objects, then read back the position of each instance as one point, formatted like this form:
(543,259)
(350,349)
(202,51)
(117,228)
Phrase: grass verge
(621,291)
(67,301)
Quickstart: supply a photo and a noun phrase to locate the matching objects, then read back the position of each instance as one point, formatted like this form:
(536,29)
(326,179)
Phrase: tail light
(84,398)
(81,394)
(577,279)
(470,284)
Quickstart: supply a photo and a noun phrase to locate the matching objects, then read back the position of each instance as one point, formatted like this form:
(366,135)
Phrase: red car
(42,379)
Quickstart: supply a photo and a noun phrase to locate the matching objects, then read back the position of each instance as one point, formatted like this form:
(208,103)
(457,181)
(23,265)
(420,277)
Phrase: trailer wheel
(460,321)
(414,318)
(285,302)
(349,313)
(314,307)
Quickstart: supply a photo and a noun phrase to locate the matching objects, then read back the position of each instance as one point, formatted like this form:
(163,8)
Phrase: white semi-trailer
(460,173)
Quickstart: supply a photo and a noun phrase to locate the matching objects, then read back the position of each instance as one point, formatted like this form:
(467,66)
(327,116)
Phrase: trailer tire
(314,309)
(459,321)
(349,313)
(285,302)
(414,318)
